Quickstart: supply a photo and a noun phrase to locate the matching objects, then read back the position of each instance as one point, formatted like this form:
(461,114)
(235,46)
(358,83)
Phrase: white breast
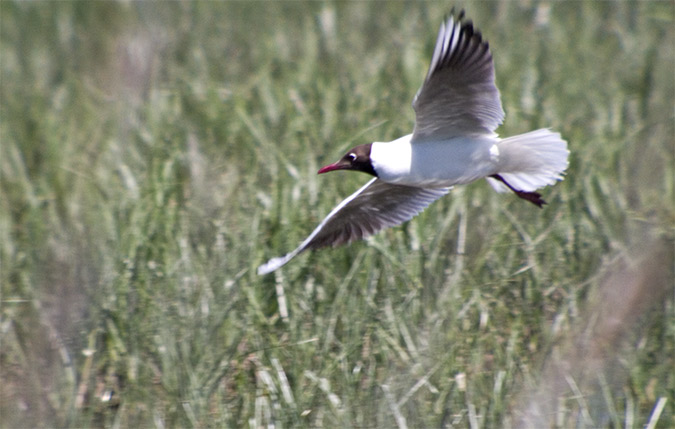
(435,164)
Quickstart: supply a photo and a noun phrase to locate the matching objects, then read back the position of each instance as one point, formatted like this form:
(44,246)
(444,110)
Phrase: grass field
(153,155)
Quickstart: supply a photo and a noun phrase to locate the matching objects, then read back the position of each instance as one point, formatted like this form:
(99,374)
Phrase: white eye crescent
(352,156)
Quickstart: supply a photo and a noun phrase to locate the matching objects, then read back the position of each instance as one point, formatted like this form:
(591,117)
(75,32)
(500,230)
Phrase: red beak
(332,167)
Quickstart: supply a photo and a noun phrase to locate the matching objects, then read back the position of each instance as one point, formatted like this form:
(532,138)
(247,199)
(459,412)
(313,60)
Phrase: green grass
(152,156)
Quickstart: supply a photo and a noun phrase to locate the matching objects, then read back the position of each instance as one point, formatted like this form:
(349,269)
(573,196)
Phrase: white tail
(531,161)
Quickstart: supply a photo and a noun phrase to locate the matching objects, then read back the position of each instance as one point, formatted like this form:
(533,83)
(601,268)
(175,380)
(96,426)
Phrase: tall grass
(152,156)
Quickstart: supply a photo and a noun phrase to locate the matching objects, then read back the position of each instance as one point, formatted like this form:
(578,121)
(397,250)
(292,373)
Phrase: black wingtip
(465,24)
(460,15)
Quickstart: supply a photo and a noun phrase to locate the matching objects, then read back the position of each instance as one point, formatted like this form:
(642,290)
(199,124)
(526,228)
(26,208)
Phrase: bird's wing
(375,206)
(459,95)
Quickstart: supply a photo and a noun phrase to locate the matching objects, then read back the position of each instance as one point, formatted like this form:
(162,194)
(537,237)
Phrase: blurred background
(153,154)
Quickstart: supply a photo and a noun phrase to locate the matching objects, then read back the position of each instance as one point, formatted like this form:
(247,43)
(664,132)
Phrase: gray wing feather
(375,206)
(459,95)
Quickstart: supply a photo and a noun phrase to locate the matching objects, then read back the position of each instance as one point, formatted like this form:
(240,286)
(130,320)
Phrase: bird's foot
(533,197)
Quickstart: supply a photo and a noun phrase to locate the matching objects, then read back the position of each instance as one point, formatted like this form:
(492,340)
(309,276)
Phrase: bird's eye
(352,156)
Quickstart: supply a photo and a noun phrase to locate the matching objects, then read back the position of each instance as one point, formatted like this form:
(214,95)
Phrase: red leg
(533,197)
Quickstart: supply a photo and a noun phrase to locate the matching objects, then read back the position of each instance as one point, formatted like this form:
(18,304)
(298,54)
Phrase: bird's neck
(391,160)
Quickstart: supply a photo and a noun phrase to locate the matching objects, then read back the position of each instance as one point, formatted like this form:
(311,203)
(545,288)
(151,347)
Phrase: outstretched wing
(459,95)
(375,206)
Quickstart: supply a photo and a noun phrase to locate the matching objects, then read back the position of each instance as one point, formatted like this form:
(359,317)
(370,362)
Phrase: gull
(457,110)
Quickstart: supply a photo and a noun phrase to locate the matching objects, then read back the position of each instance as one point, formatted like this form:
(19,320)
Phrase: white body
(527,161)
(438,164)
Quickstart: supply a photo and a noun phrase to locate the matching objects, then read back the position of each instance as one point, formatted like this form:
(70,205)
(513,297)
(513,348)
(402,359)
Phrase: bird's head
(357,158)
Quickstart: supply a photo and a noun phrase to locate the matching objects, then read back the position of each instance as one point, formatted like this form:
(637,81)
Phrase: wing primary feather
(374,206)
(276,263)
(458,96)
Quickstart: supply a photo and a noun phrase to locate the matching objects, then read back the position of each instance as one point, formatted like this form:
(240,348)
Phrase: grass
(151,157)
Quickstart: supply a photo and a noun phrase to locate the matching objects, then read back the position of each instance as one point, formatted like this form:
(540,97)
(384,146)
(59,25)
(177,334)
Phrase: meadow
(152,155)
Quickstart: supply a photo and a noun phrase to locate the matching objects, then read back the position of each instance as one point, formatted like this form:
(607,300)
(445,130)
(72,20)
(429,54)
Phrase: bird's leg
(533,197)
